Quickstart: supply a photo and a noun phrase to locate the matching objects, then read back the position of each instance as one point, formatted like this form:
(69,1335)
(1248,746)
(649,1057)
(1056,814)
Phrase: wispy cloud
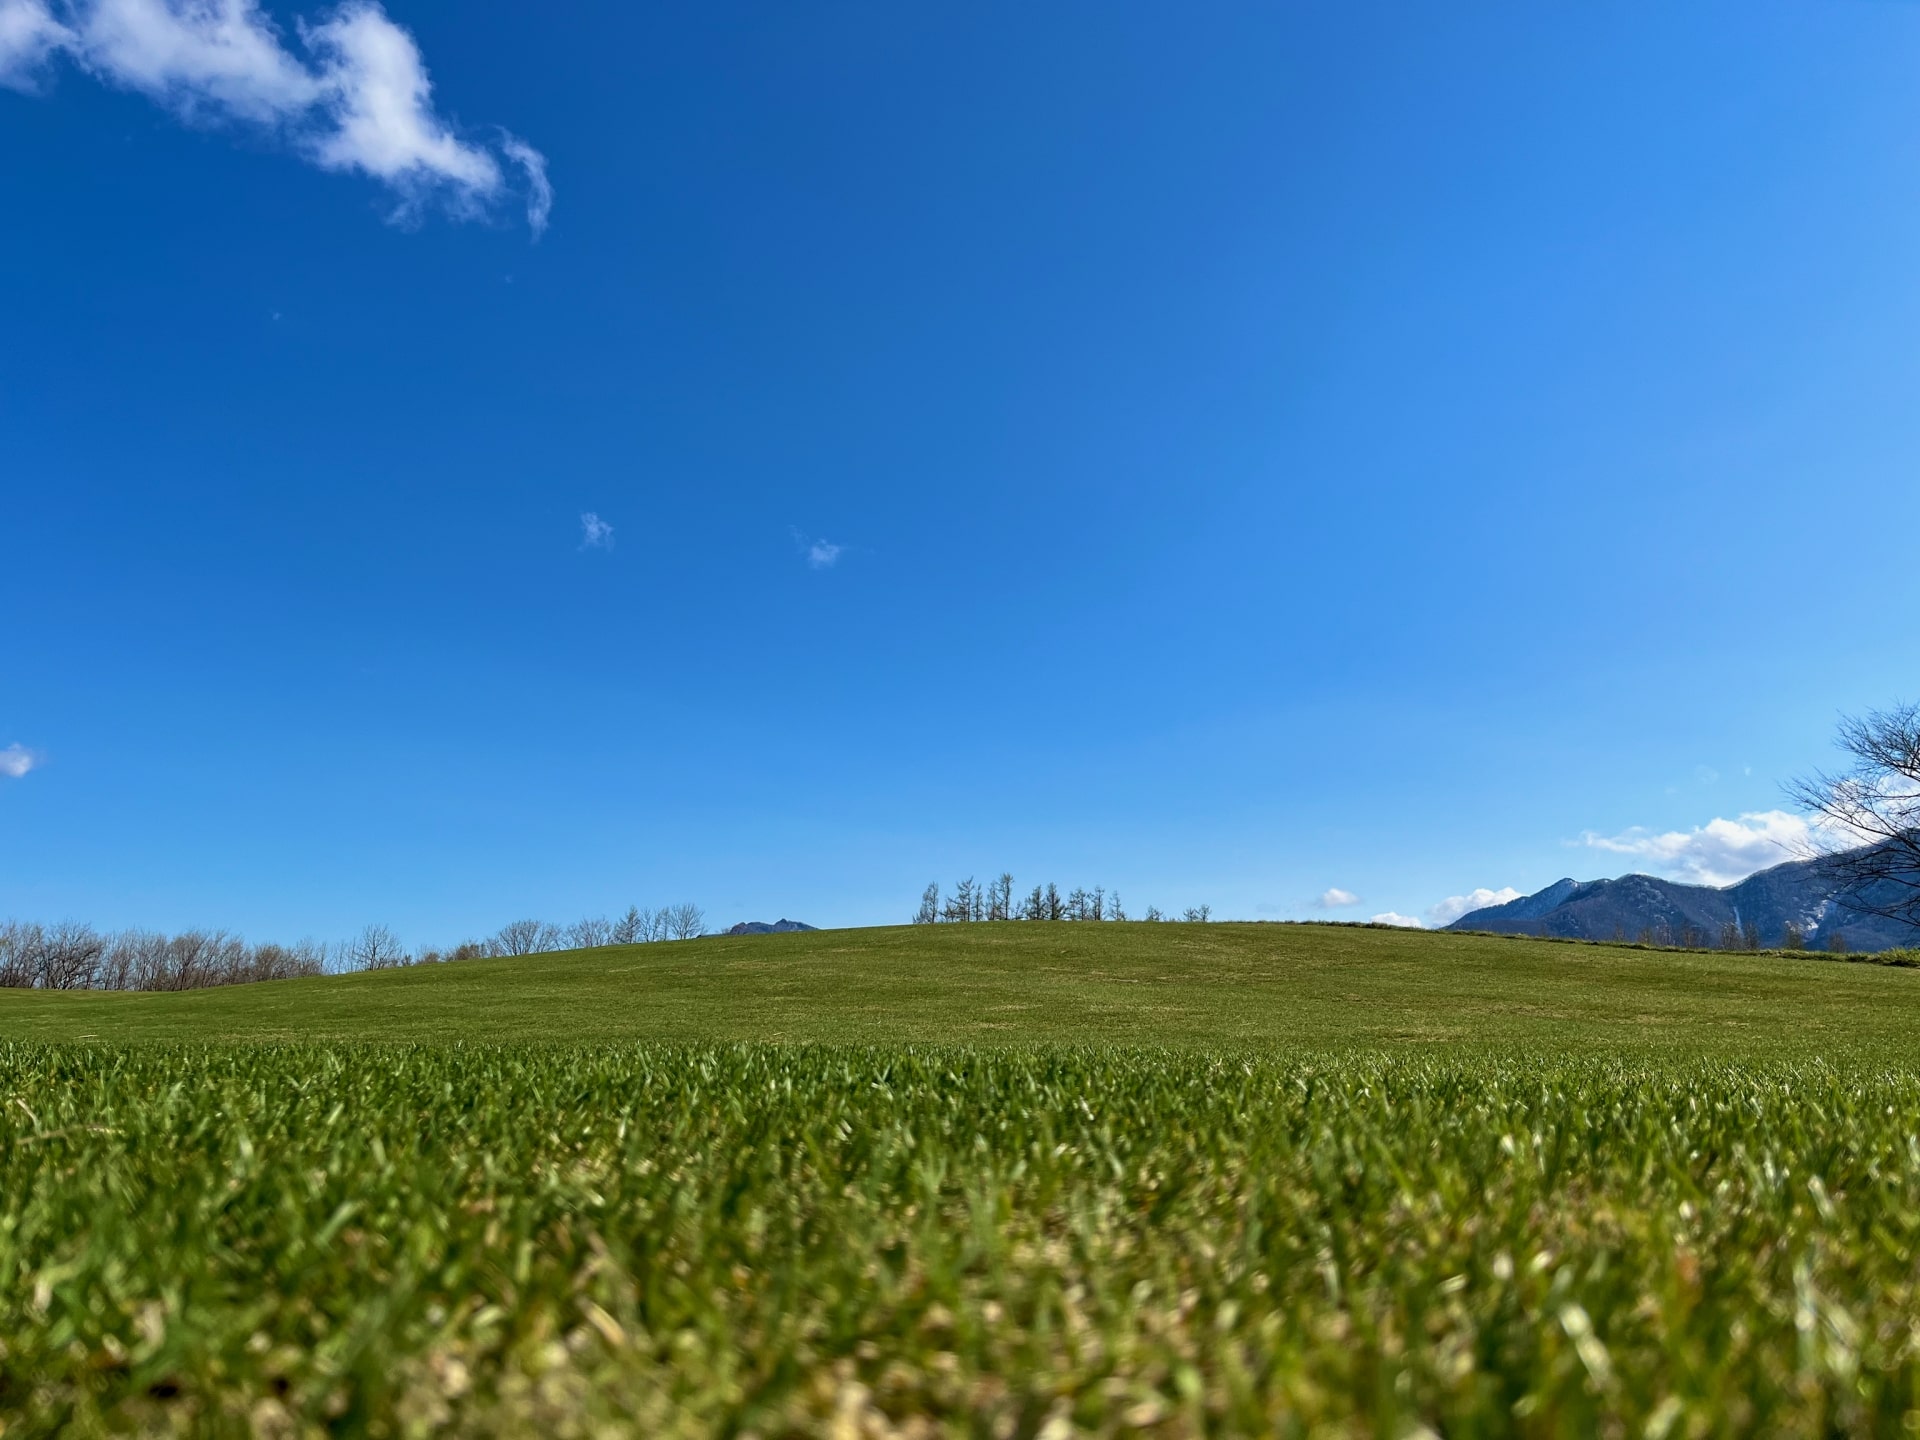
(1721,852)
(17,760)
(595,533)
(28,35)
(820,554)
(358,100)
(1337,899)
(1454,906)
(539,188)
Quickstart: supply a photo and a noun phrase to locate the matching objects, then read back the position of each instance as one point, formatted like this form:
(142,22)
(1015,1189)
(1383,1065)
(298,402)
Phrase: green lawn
(1304,987)
(1015,1181)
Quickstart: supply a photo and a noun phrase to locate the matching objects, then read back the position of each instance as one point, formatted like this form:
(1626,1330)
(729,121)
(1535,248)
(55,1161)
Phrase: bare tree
(145,955)
(70,957)
(590,933)
(1198,914)
(190,960)
(376,948)
(288,962)
(636,927)
(521,937)
(19,954)
(685,922)
(1795,937)
(1875,802)
(960,905)
(1115,910)
(929,910)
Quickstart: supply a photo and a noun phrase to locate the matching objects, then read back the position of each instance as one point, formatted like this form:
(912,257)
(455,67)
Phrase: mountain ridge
(1646,907)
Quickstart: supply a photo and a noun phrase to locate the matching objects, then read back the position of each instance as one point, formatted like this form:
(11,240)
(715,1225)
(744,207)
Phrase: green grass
(1311,987)
(1375,1184)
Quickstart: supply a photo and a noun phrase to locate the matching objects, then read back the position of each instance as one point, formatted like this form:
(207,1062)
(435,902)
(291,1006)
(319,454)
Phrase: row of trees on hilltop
(78,957)
(74,956)
(972,902)
(1732,935)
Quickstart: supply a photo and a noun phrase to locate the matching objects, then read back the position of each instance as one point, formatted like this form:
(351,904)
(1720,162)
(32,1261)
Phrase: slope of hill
(1637,905)
(1291,987)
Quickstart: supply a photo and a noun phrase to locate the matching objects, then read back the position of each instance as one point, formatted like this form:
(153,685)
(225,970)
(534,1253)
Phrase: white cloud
(1454,906)
(1721,852)
(203,57)
(539,188)
(28,35)
(595,533)
(360,102)
(1391,917)
(17,760)
(1337,899)
(379,105)
(823,554)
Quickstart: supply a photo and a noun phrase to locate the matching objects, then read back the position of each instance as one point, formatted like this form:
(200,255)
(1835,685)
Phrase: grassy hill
(1288,986)
(1276,1180)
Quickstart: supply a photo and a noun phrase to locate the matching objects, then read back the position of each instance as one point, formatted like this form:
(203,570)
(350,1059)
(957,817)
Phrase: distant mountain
(1635,906)
(760,927)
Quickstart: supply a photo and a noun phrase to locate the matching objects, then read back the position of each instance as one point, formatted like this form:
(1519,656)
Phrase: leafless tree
(376,948)
(70,957)
(1198,914)
(286,962)
(19,954)
(116,965)
(525,937)
(929,910)
(590,933)
(1000,898)
(144,957)
(685,922)
(1875,803)
(636,927)
(960,905)
(190,960)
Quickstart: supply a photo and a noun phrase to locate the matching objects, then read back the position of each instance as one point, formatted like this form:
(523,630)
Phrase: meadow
(1215,1180)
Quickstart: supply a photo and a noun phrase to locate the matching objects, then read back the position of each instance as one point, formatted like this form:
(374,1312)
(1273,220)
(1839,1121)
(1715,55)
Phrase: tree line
(74,956)
(1733,935)
(973,901)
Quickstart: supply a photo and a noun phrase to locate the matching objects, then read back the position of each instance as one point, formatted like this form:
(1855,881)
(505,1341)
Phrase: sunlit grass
(712,1239)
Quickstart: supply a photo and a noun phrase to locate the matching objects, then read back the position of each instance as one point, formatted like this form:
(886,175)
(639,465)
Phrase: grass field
(1298,986)
(1376,1184)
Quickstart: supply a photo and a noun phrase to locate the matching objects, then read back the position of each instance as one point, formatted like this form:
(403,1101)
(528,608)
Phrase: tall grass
(721,1240)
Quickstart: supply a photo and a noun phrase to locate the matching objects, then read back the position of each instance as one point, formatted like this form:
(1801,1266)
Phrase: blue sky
(1231,454)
